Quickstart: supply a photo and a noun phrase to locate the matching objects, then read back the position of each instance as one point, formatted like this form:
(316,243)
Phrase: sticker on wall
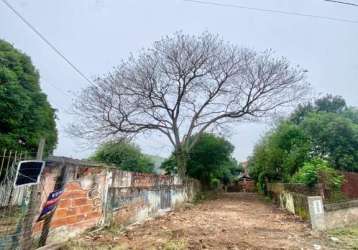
(51,204)
(28,173)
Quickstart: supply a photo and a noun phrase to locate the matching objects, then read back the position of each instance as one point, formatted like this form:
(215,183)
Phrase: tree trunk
(181,157)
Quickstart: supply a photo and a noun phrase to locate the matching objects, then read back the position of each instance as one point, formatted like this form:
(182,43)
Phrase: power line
(56,87)
(272,11)
(341,2)
(53,47)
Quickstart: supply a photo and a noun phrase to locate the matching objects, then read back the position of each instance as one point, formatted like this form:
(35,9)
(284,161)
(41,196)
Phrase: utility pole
(33,206)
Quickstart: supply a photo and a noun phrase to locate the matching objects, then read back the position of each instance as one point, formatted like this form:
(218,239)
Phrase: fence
(13,202)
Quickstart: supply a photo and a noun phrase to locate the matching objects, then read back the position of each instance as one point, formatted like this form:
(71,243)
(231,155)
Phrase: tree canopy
(124,155)
(210,160)
(326,129)
(183,86)
(25,114)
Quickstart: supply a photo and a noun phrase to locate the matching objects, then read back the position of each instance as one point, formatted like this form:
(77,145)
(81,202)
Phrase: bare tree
(184,86)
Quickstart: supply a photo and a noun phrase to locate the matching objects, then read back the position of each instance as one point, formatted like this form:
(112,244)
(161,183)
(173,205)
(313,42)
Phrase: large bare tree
(183,86)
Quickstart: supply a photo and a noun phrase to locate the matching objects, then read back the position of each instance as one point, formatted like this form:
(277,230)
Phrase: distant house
(245,173)
(244,183)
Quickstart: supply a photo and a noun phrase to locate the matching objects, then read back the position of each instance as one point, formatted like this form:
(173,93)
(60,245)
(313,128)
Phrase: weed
(175,245)
(348,237)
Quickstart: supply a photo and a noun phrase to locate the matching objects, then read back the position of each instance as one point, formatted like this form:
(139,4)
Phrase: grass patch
(347,237)
(80,245)
(75,245)
(114,229)
(176,245)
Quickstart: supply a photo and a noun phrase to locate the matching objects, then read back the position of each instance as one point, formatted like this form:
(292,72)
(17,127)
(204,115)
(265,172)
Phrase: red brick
(81,217)
(350,185)
(85,209)
(71,219)
(80,202)
(94,214)
(72,211)
(79,194)
(72,186)
(65,203)
(75,194)
(62,212)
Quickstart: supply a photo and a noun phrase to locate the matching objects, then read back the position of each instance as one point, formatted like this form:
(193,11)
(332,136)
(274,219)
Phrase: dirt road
(233,221)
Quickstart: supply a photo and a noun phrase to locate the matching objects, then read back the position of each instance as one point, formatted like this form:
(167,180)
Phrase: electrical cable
(51,45)
(272,11)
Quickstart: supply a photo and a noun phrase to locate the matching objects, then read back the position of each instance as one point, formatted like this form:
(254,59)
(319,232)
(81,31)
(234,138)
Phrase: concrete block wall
(334,215)
(96,195)
(341,214)
(308,205)
(133,197)
(291,197)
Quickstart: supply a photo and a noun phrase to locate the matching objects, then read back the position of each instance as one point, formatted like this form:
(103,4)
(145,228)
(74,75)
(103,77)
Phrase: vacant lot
(232,221)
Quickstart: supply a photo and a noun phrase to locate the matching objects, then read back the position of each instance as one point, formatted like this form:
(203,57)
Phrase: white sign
(317,207)
(28,173)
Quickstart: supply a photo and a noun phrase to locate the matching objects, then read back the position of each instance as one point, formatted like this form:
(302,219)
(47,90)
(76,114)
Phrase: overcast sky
(97,34)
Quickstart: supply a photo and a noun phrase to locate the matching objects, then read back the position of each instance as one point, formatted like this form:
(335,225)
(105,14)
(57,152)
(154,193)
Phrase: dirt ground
(232,221)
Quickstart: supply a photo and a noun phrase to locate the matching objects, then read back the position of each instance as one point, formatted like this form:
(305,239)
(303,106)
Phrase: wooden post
(33,206)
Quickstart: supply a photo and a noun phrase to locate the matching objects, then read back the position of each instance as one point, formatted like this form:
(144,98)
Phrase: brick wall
(350,186)
(96,195)
(75,209)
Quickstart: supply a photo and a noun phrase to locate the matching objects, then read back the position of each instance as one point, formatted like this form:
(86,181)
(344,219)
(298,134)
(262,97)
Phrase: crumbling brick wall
(96,195)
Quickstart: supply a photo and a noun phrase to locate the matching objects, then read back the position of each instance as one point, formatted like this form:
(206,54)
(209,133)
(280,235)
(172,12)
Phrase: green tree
(334,138)
(279,154)
(318,171)
(125,156)
(326,129)
(352,114)
(328,103)
(209,161)
(25,114)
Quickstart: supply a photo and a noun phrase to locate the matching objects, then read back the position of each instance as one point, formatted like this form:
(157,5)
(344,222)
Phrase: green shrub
(214,183)
(318,171)
(210,161)
(124,155)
